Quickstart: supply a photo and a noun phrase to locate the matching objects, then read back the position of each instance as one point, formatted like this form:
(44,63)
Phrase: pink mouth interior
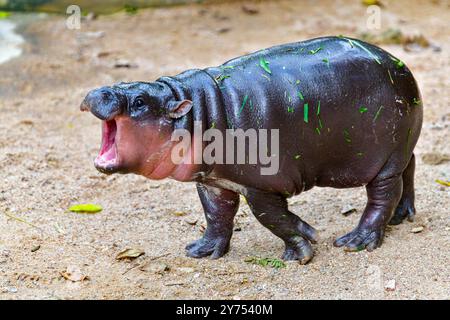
(108,152)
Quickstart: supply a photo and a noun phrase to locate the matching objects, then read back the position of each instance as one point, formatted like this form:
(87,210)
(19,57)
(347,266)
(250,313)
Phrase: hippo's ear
(177,109)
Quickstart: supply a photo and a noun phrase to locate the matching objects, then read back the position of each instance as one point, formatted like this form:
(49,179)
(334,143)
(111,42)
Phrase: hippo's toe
(298,249)
(360,239)
(405,210)
(204,247)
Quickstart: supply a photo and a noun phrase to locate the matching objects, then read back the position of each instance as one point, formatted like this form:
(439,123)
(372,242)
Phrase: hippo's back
(341,105)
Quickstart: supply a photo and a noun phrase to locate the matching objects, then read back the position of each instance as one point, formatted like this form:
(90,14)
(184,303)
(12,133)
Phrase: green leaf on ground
(264,262)
(86,208)
(4,14)
(444,183)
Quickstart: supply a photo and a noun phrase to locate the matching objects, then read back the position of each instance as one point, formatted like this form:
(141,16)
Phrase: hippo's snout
(104,103)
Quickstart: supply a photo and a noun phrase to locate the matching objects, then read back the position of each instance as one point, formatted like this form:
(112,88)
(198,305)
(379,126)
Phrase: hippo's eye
(139,103)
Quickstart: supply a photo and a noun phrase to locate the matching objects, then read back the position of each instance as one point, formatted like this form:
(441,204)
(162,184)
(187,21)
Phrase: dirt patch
(47,147)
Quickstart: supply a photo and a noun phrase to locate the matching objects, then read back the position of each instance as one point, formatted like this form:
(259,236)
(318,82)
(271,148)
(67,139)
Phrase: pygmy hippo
(347,114)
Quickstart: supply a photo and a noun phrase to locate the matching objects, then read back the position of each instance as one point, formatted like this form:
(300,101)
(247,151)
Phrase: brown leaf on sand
(74,274)
(129,254)
(410,42)
(248,9)
(155,267)
(434,158)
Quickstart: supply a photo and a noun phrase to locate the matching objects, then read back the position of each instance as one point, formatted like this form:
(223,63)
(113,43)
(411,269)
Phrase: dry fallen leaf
(191,221)
(371,3)
(74,274)
(248,9)
(129,254)
(155,267)
(27,122)
(179,213)
(434,158)
(444,183)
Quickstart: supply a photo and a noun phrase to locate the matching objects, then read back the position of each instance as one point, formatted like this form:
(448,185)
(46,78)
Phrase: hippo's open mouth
(107,159)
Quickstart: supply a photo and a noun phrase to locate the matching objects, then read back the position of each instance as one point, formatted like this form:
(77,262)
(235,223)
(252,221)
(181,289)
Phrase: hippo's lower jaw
(108,159)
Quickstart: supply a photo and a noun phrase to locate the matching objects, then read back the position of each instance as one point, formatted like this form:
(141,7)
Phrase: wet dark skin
(349,114)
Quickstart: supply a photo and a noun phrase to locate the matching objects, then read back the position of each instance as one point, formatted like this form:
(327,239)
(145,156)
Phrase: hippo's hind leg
(272,211)
(384,193)
(220,207)
(405,208)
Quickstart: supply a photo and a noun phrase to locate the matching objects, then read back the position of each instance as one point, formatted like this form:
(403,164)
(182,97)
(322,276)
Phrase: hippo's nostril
(104,103)
(85,106)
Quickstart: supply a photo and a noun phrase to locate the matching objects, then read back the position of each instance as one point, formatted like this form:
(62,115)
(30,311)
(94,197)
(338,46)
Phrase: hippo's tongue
(108,151)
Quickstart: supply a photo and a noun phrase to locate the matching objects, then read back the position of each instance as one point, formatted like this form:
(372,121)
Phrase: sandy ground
(47,147)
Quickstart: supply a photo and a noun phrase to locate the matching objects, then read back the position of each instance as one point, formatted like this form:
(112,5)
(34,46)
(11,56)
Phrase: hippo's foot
(204,247)
(405,210)
(298,249)
(360,239)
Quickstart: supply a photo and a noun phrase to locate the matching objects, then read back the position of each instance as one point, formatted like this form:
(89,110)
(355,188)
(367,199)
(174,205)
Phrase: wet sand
(47,147)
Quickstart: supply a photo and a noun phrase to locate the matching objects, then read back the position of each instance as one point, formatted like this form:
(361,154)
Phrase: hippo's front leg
(272,211)
(220,207)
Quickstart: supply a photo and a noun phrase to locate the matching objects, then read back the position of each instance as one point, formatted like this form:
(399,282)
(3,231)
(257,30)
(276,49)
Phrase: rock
(11,289)
(186,270)
(122,63)
(417,229)
(94,35)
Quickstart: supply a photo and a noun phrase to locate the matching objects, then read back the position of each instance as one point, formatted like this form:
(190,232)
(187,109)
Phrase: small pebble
(186,270)
(390,285)
(122,63)
(417,230)
(12,289)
